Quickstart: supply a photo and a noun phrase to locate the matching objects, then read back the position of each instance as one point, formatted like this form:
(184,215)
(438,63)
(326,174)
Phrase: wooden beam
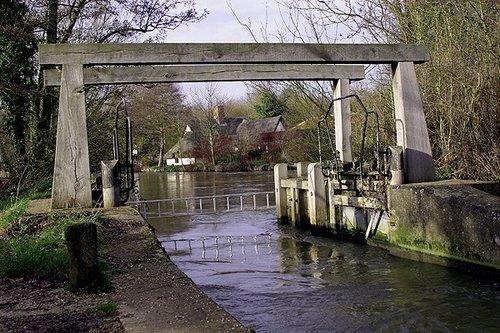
(342,116)
(209,73)
(411,127)
(227,53)
(71,182)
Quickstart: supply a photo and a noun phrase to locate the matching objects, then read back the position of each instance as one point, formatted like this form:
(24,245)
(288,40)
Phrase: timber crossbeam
(227,53)
(209,73)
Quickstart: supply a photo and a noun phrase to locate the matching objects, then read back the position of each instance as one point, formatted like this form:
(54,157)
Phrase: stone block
(456,221)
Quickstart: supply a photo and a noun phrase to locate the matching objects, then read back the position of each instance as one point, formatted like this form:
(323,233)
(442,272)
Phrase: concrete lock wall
(454,223)
(452,220)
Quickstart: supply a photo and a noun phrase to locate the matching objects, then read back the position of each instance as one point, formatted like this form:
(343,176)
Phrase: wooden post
(110,183)
(411,127)
(280,172)
(81,240)
(317,195)
(342,114)
(71,183)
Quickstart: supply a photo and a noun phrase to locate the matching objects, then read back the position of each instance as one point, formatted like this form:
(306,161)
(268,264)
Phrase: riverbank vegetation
(460,85)
(28,110)
(33,244)
(34,275)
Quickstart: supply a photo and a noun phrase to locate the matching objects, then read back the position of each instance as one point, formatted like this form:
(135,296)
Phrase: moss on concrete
(455,221)
(381,237)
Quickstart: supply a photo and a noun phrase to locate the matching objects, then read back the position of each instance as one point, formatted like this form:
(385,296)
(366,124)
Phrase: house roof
(260,126)
(184,144)
(230,125)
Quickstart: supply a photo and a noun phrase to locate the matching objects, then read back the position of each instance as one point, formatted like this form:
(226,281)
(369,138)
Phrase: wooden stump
(81,240)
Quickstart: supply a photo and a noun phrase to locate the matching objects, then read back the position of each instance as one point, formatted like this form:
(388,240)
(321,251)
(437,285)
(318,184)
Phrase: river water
(274,278)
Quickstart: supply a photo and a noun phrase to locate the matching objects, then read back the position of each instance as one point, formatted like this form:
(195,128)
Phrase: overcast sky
(222,26)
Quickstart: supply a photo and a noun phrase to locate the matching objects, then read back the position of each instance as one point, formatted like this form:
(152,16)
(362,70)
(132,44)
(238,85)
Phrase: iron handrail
(197,198)
(324,120)
(143,205)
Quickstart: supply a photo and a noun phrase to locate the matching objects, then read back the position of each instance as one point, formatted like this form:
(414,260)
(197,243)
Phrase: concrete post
(71,183)
(301,169)
(331,206)
(411,128)
(342,114)
(317,195)
(298,206)
(81,240)
(110,183)
(396,165)
(293,209)
(280,172)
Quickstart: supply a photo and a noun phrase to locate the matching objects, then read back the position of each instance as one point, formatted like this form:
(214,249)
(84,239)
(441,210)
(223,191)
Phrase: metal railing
(205,204)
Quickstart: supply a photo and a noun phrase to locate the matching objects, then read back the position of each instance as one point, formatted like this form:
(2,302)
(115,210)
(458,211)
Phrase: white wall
(181,161)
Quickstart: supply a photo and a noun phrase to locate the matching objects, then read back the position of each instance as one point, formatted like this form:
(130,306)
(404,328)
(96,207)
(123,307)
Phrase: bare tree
(459,85)
(160,115)
(204,104)
(101,21)
(75,21)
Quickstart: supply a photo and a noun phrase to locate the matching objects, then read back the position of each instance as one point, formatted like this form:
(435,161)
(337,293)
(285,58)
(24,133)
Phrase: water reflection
(277,279)
(221,248)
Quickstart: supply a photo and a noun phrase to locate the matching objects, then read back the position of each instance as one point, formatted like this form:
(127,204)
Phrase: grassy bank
(34,245)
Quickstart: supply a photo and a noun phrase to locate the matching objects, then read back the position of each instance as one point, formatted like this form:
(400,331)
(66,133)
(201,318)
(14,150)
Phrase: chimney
(218,114)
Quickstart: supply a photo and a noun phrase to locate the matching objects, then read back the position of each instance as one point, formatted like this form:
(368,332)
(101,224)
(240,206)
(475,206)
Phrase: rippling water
(274,278)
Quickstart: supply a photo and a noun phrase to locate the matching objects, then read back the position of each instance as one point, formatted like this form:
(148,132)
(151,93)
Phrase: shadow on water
(278,279)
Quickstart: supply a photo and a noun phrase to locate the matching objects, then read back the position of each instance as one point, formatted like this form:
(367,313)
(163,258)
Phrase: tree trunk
(51,21)
(162,148)
(212,146)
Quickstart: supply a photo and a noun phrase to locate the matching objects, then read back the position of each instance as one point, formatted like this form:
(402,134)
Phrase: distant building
(261,133)
(238,125)
(179,153)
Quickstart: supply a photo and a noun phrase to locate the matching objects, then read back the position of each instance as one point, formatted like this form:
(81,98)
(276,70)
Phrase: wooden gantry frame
(98,64)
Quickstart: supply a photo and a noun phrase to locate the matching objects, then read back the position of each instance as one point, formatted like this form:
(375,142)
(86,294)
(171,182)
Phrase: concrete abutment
(452,223)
